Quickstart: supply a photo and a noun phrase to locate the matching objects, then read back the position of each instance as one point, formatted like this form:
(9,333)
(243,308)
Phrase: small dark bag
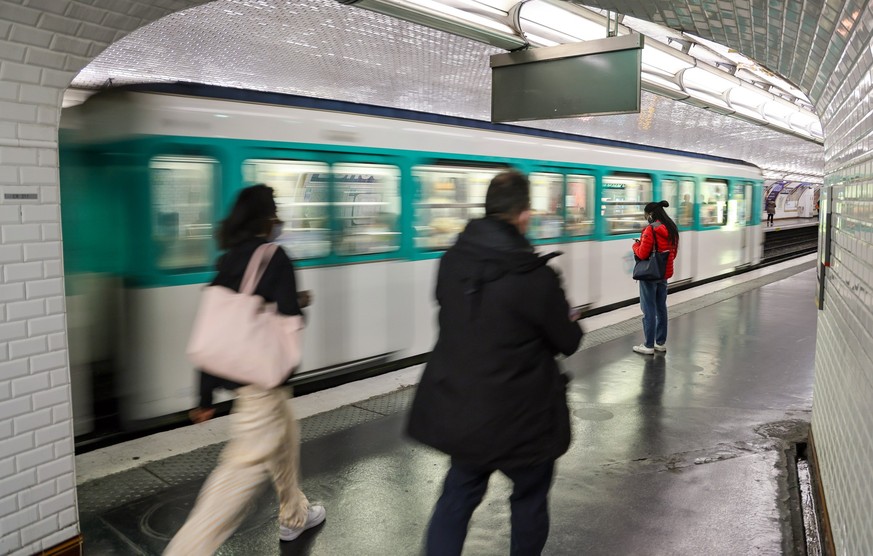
(654,268)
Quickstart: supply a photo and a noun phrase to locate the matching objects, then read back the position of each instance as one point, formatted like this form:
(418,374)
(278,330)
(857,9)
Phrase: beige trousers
(265,442)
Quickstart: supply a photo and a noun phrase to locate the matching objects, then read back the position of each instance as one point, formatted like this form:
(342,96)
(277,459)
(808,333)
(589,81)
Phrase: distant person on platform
(492,396)
(770,207)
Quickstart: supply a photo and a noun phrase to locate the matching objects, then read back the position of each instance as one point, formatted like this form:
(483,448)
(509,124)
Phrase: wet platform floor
(682,453)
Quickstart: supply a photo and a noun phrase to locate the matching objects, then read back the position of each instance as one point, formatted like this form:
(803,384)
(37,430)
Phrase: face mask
(276,232)
(650,218)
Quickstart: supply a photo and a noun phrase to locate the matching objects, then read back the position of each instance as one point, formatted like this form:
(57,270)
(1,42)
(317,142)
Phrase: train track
(780,245)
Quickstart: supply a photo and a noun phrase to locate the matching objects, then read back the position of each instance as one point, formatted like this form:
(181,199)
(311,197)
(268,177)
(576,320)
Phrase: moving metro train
(370,198)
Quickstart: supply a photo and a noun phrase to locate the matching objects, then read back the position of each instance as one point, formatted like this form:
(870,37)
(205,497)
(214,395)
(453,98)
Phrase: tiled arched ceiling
(324,49)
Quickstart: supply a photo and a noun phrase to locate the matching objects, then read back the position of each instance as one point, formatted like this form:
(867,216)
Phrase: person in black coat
(492,396)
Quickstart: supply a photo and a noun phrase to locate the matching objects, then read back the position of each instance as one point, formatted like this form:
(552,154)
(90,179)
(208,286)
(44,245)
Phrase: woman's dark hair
(658,213)
(251,216)
(508,195)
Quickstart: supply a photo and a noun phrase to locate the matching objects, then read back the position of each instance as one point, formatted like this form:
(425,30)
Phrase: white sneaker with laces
(315,517)
(660,347)
(644,350)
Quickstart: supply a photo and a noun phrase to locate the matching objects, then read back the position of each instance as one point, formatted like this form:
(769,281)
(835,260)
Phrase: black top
(277,285)
(492,394)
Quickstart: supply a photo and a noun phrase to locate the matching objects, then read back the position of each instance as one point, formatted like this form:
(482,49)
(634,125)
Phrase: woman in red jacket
(653,294)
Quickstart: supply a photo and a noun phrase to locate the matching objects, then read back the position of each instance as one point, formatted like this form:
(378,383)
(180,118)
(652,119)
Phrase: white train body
(367,308)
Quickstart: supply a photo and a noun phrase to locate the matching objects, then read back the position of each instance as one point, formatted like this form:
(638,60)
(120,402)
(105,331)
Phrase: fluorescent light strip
(666,71)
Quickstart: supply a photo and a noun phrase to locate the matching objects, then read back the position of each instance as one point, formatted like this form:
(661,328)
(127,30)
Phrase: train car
(370,198)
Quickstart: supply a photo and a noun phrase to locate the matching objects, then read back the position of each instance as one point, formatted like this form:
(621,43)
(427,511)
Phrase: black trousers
(464,489)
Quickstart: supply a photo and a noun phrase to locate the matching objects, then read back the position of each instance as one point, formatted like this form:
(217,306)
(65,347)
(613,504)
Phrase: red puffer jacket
(644,248)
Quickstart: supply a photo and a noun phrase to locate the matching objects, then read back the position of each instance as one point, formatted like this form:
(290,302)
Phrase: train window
(580,205)
(747,208)
(302,200)
(713,203)
(182,210)
(448,198)
(680,195)
(737,204)
(367,201)
(624,200)
(670,192)
(686,204)
(546,191)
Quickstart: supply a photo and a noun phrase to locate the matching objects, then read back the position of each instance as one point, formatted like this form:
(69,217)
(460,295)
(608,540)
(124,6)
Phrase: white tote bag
(239,337)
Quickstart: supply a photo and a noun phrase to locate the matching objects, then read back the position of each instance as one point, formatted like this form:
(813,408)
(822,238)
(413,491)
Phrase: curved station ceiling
(712,100)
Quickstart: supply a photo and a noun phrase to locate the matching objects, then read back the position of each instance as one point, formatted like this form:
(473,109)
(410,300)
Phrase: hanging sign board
(578,79)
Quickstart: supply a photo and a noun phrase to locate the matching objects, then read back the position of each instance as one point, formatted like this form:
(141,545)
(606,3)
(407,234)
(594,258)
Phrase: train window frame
(739,206)
(719,207)
(589,225)
(585,228)
(539,229)
(334,254)
(635,225)
(453,227)
(298,250)
(685,212)
(209,198)
(395,231)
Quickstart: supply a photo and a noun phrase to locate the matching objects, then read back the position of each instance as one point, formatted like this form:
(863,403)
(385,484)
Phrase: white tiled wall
(43,43)
(842,418)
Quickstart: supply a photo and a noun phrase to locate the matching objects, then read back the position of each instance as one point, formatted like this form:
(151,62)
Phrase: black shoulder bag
(655,267)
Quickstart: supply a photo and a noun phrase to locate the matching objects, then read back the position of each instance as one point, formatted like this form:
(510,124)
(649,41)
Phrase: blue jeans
(463,491)
(653,301)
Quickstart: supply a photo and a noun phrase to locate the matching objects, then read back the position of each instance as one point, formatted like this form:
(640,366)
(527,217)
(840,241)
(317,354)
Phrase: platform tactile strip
(99,495)
(190,466)
(390,403)
(329,422)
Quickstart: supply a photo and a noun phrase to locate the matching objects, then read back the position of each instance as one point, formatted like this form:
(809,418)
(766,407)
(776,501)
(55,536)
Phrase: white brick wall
(842,419)
(43,43)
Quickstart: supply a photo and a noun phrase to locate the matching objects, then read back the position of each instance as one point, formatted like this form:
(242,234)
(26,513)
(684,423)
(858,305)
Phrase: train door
(623,197)
(562,201)
(744,202)
(173,211)
(341,217)
(369,292)
(679,192)
(739,214)
(444,195)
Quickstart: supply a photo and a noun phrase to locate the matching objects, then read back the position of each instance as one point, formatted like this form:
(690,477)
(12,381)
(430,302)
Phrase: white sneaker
(660,347)
(315,517)
(644,350)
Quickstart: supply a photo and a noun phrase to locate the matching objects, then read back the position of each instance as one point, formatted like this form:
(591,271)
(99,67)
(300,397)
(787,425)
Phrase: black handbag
(654,268)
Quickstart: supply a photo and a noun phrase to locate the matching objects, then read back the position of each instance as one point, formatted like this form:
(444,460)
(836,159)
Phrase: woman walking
(265,440)
(653,294)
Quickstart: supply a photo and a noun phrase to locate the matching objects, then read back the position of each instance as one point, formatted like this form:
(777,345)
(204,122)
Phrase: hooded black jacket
(491,394)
